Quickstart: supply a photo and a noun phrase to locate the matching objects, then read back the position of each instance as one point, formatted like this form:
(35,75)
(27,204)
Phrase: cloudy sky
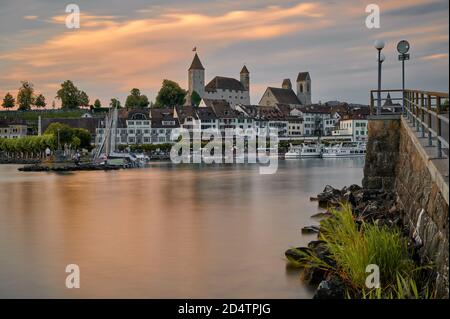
(137,43)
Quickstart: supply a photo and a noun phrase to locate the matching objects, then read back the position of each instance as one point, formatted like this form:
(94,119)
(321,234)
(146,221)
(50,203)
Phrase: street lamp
(379,45)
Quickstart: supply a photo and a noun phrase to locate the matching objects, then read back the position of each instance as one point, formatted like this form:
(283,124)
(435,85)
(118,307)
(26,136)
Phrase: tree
(195,98)
(71,97)
(40,101)
(135,99)
(83,99)
(8,101)
(67,135)
(115,103)
(97,104)
(170,94)
(25,97)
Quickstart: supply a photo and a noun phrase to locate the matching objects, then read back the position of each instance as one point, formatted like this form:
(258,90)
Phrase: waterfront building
(354,126)
(13,129)
(318,120)
(162,124)
(187,117)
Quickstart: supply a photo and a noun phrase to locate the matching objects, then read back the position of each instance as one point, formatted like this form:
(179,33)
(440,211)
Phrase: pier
(407,152)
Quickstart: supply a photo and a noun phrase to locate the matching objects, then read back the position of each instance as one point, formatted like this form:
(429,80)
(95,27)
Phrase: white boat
(345,149)
(311,151)
(294,152)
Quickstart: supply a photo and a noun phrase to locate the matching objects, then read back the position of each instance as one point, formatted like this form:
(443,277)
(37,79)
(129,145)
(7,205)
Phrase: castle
(219,88)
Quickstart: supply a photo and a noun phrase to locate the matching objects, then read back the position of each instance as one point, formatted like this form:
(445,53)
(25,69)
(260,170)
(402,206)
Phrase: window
(301,88)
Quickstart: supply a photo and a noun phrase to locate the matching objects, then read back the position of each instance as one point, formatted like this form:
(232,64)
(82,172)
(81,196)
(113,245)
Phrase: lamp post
(379,45)
(58,139)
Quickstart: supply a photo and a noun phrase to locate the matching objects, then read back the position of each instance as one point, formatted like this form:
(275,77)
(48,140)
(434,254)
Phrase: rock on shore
(372,206)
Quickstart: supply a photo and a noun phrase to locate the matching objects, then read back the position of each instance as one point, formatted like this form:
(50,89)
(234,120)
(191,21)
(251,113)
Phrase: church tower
(196,77)
(304,88)
(245,78)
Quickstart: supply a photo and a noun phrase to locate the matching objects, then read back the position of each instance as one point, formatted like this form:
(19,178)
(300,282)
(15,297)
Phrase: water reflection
(166,231)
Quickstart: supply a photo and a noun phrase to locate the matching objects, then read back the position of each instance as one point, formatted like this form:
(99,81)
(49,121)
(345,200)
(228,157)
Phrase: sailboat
(106,151)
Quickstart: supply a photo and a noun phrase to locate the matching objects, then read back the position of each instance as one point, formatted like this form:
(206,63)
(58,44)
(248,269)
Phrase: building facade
(13,129)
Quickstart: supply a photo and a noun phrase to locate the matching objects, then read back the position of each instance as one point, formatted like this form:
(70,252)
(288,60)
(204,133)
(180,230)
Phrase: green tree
(67,135)
(83,99)
(97,104)
(25,97)
(76,142)
(71,97)
(8,101)
(115,103)
(195,99)
(170,94)
(135,99)
(40,101)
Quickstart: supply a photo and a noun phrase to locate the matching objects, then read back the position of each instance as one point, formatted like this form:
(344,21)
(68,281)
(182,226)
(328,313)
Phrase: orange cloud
(30,17)
(141,52)
(438,56)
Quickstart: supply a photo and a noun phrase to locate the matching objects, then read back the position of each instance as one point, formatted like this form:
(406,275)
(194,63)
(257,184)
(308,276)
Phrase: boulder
(331,288)
(311,230)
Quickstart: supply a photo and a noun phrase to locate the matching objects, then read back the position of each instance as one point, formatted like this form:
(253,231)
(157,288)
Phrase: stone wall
(396,161)
(382,153)
(424,207)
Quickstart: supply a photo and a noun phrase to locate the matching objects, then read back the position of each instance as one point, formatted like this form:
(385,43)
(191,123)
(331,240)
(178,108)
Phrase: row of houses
(154,126)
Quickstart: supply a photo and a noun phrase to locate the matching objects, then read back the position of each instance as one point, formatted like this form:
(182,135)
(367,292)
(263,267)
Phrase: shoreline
(368,207)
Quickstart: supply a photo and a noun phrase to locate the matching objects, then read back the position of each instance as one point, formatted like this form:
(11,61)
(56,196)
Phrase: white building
(15,129)
(318,120)
(355,127)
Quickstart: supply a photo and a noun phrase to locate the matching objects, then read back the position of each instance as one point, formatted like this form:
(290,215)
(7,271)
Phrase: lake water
(161,232)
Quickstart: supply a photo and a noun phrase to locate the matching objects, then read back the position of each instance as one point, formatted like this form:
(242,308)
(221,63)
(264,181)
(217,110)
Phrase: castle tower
(304,88)
(286,84)
(245,78)
(196,77)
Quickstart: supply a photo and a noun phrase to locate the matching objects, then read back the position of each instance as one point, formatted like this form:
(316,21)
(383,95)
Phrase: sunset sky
(136,43)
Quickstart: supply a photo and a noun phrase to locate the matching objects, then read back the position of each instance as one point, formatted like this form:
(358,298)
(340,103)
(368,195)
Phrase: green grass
(353,247)
(33,115)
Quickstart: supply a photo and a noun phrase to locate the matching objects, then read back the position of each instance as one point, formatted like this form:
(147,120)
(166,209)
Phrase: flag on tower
(194,49)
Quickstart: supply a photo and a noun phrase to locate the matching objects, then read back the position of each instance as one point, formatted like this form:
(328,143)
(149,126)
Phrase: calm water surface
(161,232)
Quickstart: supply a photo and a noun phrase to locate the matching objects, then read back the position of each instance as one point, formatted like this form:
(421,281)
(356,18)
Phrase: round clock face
(403,47)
